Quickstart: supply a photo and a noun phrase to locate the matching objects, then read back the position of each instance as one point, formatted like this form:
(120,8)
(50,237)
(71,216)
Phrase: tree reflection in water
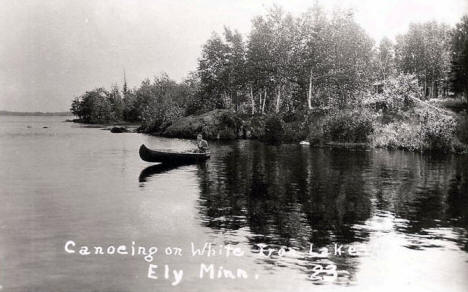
(293,196)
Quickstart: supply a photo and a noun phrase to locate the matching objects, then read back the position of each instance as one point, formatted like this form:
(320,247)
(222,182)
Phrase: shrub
(397,96)
(437,131)
(230,120)
(290,117)
(349,126)
(97,106)
(316,135)
(158,116)
(273,130)
(294,132)
(457,105)
(429,131)
(216,124)
(398,135)
(462,129)
(255,127)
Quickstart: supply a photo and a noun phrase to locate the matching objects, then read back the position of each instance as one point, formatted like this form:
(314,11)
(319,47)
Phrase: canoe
(171,157)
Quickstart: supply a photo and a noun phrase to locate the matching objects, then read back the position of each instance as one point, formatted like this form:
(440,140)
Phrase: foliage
(160,103)
(294,132)
(216,124)
(159,115)
(462,129)
(429,131)
(399,94)
(116,104)
(131,109)
(229,119)
(193,104)
(98,106)
(155,104)
(273,130)
(349,126)
(457,105)
(221,69)
(385,59)
(424,51)
(316,130)
(437,131)
(459,64)
(284,61)
(398,135)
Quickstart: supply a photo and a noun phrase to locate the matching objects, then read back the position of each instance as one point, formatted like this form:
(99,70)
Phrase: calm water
(405,213)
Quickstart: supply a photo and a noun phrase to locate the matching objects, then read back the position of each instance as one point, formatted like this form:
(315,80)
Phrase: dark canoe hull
(171,157)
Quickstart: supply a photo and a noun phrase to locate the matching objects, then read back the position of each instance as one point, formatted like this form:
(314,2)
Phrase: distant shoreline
(12,113)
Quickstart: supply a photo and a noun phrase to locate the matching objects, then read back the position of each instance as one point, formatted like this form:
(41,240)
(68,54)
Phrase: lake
(390,220)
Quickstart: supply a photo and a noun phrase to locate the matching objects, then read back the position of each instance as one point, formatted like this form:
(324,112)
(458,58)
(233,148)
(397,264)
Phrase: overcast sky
(53,50)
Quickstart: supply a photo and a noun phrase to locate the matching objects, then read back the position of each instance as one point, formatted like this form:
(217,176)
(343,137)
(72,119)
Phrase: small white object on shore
(304,143)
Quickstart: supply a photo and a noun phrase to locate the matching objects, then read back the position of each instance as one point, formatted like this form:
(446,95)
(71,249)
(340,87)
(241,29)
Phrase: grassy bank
(420,126)
(228,125)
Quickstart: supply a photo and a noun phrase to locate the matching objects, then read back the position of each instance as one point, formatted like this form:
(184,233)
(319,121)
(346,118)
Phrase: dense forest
(316,76)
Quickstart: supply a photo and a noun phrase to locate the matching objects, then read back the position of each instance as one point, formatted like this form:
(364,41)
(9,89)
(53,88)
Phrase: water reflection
(156,169)
(428,192)
(286,195)
(295,196)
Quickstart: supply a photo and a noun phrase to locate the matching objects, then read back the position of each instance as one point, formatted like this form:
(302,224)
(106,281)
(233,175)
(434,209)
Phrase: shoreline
(131,127)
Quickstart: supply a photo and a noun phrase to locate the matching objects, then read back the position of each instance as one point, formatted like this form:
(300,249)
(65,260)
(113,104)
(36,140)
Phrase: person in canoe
(202,144)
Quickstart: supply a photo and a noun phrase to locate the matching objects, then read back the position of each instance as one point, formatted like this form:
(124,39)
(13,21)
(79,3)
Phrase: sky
(54,50)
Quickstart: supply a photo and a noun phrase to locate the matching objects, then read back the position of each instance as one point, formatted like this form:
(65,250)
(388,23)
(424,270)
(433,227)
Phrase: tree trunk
(264,101)
(233,96)
(252,100)
(425,89)
(278,99)
(260,100)
(309,94)
(224,99)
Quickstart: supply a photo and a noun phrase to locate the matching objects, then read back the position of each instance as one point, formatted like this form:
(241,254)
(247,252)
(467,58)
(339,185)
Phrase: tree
(270,59)
(424,51)
(351,55)
(116,102)
(94,107)
(385,60)
(335,57)
(130,111)
(259,61)
(235,66)
(459,51)
(76,108)
(312,52)
(221,69)
(160,102)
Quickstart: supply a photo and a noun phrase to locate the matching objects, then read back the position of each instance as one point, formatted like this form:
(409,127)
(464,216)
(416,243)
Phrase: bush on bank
(398,95)
(274,129)
(418,129)
(228,125)
(426,131)
(217,124)
(285,128)
(353,126)
(462,128)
